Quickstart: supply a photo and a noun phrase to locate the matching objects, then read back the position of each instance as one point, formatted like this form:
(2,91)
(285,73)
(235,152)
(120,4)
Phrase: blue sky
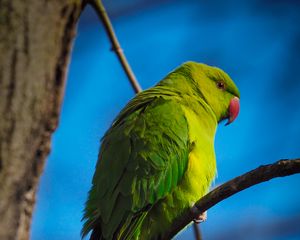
(256,42)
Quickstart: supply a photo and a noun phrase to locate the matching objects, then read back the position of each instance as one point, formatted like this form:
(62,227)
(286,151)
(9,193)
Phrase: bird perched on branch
(157,159)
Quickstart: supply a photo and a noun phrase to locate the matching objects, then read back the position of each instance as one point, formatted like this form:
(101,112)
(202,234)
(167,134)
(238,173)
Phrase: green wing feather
(143,157)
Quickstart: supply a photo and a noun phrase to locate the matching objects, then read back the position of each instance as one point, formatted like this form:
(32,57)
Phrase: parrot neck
(183,86)
(206,116)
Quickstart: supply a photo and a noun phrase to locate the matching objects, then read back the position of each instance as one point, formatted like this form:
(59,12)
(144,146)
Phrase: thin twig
(99,8)
(261,174)
(197,232)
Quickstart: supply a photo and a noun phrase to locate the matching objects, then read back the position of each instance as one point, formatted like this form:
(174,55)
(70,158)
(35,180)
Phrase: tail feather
(131,226)
(125,232)
(96,234)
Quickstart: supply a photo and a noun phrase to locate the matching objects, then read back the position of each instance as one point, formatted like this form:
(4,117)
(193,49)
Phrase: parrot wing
(143,157)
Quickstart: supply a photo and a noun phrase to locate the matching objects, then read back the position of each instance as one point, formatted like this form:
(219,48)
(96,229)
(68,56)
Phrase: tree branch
(99,8)
(261,174)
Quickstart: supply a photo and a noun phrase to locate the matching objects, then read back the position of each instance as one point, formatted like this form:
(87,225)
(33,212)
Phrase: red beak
(233,111)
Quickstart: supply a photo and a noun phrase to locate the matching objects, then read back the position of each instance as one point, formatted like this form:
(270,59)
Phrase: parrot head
(217,89)
(214,86)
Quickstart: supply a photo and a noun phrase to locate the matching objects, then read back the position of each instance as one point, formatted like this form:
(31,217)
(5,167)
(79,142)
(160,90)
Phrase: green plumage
(158,157)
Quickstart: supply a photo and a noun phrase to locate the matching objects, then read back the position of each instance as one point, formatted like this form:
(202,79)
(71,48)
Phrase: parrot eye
(221,85)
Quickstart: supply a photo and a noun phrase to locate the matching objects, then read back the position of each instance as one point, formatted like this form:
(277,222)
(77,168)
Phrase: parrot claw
(201,218)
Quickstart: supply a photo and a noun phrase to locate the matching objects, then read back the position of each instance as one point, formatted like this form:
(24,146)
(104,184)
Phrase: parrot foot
(201,217)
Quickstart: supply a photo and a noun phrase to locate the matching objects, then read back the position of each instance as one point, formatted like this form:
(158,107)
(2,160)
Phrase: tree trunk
(35,43)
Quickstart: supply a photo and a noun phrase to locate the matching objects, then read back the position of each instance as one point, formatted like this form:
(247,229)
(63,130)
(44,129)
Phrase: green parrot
(157,159)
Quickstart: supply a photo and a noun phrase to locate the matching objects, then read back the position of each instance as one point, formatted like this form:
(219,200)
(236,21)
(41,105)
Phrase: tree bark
(35,43)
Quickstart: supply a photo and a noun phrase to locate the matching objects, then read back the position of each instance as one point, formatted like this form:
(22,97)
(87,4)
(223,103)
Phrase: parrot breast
(200,173)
